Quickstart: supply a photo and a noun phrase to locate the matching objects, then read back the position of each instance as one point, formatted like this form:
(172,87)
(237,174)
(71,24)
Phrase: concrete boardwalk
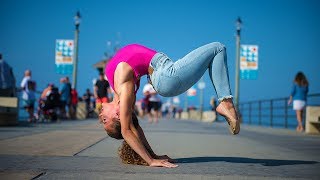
(82,150)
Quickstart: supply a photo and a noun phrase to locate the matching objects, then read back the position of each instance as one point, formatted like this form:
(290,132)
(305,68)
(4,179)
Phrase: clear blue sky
(287,33)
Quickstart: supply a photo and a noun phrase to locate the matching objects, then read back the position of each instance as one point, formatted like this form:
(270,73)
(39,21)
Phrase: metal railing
(273,112)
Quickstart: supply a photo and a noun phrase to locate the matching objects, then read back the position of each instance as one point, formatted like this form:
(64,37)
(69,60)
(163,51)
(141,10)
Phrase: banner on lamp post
(64,56)
(249,62)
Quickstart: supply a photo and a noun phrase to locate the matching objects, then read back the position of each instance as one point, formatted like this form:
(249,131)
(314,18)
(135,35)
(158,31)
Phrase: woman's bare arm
(124,84)
(126,99)
(128,131)
(145,141)
(147,145)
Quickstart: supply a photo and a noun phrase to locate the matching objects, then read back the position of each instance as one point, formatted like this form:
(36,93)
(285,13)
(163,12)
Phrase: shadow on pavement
(264,162)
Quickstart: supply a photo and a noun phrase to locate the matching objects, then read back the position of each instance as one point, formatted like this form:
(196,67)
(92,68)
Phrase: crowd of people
(62,101)
(54,101)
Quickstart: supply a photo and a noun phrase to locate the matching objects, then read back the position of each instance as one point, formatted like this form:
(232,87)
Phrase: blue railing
(273,112)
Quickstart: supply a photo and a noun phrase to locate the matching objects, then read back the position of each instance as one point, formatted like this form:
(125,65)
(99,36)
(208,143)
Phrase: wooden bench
(8,111)
(313,119)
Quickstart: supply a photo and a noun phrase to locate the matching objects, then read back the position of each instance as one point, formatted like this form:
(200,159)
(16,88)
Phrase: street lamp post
(77,20)
(237,80)
(201,86)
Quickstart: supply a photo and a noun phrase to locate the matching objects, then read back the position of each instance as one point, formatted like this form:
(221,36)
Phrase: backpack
(31,85)
(53,100)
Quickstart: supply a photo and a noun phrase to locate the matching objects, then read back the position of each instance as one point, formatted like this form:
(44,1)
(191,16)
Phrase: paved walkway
(82,150)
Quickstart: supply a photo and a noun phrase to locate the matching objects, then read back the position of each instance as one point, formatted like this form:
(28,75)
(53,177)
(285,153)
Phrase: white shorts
(298,104)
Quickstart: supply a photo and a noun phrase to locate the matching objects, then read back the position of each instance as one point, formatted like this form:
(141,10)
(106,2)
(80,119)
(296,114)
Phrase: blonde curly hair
(128,155)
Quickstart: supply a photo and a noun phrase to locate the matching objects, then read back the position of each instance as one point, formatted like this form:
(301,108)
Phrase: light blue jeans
(173,78)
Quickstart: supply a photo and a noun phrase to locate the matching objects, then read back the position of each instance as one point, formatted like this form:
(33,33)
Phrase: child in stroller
(50,105)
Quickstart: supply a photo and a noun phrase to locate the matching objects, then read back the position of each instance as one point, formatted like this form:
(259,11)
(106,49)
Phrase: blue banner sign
(249,62)
(64,56)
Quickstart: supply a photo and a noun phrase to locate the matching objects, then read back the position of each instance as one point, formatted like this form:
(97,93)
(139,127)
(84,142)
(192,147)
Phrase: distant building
(100,66)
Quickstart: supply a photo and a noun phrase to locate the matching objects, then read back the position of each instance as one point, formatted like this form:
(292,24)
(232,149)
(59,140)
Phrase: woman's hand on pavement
(162,163)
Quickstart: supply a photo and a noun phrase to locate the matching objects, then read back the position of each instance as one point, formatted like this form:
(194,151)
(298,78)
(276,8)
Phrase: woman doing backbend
(168,78)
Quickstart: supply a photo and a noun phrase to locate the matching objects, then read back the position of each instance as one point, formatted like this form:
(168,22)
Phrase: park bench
(313,119)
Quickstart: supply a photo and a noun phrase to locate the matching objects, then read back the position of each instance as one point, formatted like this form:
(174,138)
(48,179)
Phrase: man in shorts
(28,87)
(101,91)
(154,103)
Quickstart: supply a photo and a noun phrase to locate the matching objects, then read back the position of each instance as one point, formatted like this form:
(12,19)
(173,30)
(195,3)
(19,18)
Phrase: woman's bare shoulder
(123,73)
(123,69)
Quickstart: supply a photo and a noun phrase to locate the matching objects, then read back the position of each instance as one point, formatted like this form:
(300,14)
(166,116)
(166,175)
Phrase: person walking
(74,103)
(154,103)
(101,91)
(298,96)
(28,87)
(65,96)
(87,97)
(68,103)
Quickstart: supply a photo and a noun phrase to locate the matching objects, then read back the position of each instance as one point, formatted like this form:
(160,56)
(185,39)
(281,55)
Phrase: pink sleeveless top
(137,56)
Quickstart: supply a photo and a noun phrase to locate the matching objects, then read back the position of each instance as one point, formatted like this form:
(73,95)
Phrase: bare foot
(227,110)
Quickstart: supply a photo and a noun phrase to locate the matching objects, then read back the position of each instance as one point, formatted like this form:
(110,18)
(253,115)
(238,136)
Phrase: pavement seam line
(39,175)
(89,146)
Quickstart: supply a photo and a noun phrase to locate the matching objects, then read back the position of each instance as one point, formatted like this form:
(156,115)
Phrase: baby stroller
(50,108)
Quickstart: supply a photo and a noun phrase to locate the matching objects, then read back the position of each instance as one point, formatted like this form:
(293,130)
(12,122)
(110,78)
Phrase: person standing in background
(28,87)
(65,94)
(45,93)
(213,104)
(154,103)
(299,97)
(74,104)
(101,91)
(89,106)
(70,110)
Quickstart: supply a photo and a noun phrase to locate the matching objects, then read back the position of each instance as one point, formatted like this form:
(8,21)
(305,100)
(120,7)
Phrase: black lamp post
(237,79)
(77,20)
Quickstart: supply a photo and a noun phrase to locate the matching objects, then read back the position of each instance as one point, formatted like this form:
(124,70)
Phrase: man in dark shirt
(101,91)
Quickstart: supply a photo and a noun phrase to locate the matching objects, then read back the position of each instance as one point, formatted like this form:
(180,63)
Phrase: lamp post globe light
(77,20)
(238,28)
